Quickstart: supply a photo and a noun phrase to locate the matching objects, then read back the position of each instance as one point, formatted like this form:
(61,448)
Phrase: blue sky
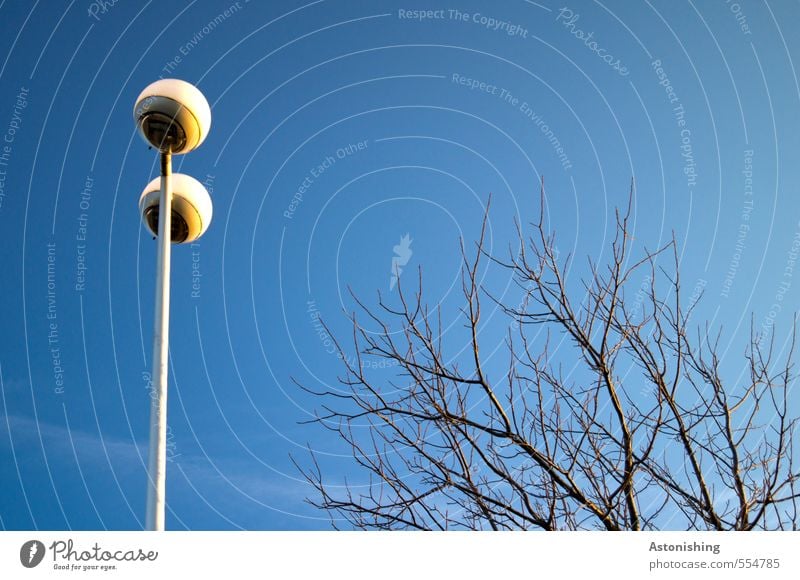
(393,122)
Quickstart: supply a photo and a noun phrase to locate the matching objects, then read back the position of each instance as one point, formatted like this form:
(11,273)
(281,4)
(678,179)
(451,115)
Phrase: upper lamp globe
(172,115)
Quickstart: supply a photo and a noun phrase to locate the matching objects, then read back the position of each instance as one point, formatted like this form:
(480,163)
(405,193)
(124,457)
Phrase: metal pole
(156,490)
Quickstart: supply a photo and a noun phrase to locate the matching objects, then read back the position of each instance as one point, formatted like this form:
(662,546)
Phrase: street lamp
(174,117)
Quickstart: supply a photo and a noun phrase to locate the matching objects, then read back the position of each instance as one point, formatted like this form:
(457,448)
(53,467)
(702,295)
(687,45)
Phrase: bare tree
(630,425)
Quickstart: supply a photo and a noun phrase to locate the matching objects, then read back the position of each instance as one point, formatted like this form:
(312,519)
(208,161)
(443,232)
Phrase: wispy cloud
(229,487)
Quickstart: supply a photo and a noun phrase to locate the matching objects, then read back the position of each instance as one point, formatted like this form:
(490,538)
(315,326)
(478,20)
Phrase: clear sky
(340,127)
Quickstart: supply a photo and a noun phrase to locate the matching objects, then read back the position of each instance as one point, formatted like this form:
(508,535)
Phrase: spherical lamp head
(172,116)
(191,208)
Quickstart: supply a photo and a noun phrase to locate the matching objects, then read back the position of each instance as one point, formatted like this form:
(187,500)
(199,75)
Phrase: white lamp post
(174,117)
